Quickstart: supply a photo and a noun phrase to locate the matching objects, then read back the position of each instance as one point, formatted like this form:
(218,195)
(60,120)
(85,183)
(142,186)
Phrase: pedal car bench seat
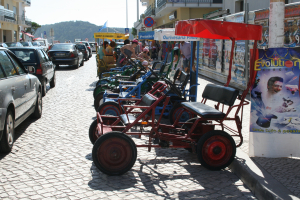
(146,101)
(220,94)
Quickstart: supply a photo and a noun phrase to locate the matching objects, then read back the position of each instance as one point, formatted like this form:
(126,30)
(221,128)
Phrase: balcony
(167,6)
(27,2)
(7,15)
(149,11)
(24,21)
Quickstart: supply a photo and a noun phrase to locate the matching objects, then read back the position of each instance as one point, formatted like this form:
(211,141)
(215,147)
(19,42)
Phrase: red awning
(213,29)
(28,34)
(37,38)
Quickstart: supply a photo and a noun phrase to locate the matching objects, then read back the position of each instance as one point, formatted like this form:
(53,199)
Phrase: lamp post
(276,23)
(126,14)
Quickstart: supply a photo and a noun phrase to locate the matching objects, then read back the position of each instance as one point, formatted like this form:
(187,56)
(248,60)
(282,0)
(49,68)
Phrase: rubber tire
(5,147)
(44,88)
(97,100)
(38,111)
(176,106)
(53,81)
(77,66)
(131,149)
(82,63)
(57,66)
(201,155)
(93,127)
(110,103)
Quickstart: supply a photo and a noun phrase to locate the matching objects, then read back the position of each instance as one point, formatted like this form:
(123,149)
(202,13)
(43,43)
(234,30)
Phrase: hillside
(71,30)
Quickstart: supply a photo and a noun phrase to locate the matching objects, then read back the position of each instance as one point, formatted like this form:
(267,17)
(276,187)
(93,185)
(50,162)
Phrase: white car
(93,46)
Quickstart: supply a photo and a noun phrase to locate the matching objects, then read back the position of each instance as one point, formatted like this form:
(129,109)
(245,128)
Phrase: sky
(94,11)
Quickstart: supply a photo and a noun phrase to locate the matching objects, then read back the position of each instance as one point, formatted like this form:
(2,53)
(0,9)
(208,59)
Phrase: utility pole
(137,17)
(276,23)
(126,14)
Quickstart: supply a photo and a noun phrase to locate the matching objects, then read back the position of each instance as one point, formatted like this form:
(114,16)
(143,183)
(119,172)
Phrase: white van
(93,46)
(44,43)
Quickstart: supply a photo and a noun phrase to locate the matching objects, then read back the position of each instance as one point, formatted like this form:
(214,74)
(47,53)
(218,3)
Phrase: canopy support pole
(197,67)
(231,60)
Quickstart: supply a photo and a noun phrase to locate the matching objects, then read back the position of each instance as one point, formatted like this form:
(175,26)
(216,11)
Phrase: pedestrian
(185,48)
(127,51)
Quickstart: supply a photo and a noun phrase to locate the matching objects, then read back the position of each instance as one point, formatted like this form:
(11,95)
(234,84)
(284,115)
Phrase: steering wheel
(173,87)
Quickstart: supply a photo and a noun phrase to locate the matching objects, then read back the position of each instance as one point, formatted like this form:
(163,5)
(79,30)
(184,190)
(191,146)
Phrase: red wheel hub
(216,150)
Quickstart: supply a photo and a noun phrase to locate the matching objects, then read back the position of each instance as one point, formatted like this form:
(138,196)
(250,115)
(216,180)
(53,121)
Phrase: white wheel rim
(9,130)
(40,102)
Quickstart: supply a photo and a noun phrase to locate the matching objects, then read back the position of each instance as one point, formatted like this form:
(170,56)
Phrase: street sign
(148,22)
(126,31)
(86,39)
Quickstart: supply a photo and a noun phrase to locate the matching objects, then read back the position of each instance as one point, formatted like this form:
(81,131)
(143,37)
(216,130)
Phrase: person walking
(185,48)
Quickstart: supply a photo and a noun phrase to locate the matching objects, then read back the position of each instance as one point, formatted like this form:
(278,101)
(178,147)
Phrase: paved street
(52,157)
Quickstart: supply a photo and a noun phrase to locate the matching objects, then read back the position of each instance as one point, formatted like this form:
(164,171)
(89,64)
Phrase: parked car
(44,43)
(87,44)
(36,61)
(13,44)
(36,44)
(93,46)
(20,97)
(119,45)
(66,54)
(84,50)
(3,45)
(27,44)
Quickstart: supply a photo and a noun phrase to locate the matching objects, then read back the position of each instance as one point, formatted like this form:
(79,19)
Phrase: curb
(258,180)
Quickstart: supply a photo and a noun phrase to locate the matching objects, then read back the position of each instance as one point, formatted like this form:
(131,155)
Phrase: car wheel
(77,65)
(53,81)
(38,106)
(82,62)
(7,141)
(44,88)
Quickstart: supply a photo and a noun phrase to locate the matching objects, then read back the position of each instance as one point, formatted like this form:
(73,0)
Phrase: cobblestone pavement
(51,157)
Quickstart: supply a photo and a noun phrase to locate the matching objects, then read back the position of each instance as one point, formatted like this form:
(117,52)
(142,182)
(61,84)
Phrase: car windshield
(25,55)
(62,47)
(80,46)
(36,44)
(11,44)
(25,44)
(92,44)
(42,43)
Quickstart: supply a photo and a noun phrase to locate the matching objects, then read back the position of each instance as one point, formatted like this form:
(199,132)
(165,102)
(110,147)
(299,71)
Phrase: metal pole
(276,23)
(126,14)
(246,44)
(138,14)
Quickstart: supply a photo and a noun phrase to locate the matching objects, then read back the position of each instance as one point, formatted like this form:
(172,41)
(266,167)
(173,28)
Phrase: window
(7,6)
(25,56)
(1,73)
(7,64)
(286,1)
(239,6)
(42,56)
(46,56)
(17,64)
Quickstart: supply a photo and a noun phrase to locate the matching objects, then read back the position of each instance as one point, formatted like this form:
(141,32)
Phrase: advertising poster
(212,54)
(219,60)
(227,52)
(292,26)
(201,53)
(238,65)
(262,18)
(275,98)
(206,47)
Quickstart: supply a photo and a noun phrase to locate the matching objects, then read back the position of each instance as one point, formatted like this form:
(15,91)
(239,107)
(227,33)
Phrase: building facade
(13,19)
(166,12)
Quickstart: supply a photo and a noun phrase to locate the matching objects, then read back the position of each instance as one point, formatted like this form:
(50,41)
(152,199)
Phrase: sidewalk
(267,178)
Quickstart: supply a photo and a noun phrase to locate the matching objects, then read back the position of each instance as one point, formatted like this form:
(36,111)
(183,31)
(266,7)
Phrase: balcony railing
(27,2)
(162,3)
(7,15)
(149,11)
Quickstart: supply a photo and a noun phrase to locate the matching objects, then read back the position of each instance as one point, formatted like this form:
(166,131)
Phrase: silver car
(20,97)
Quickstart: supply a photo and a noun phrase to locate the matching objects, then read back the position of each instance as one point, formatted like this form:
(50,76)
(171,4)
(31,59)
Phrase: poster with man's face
(275,97)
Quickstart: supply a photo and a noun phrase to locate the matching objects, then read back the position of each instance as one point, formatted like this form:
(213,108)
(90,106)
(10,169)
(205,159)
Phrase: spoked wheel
(174,113)
(114,153)
(110,108)
(8,137)
(93,128)
(97,100)
(216,150)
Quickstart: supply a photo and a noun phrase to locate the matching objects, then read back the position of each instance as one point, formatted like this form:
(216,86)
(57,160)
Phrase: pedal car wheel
(97,100)
(174,112)
(216,150)
(114,153)
(110,108)
(93,127)
(99,89)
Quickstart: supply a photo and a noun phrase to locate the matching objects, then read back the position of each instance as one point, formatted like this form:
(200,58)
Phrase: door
(28,86)
(50,66)
(14,84)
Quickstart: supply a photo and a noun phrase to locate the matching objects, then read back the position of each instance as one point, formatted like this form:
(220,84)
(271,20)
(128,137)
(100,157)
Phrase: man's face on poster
(276,87)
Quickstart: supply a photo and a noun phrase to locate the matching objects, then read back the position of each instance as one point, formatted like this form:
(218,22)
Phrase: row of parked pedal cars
(24,74)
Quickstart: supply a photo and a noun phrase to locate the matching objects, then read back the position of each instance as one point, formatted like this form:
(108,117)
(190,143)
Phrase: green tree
(33,28)
(134,32)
